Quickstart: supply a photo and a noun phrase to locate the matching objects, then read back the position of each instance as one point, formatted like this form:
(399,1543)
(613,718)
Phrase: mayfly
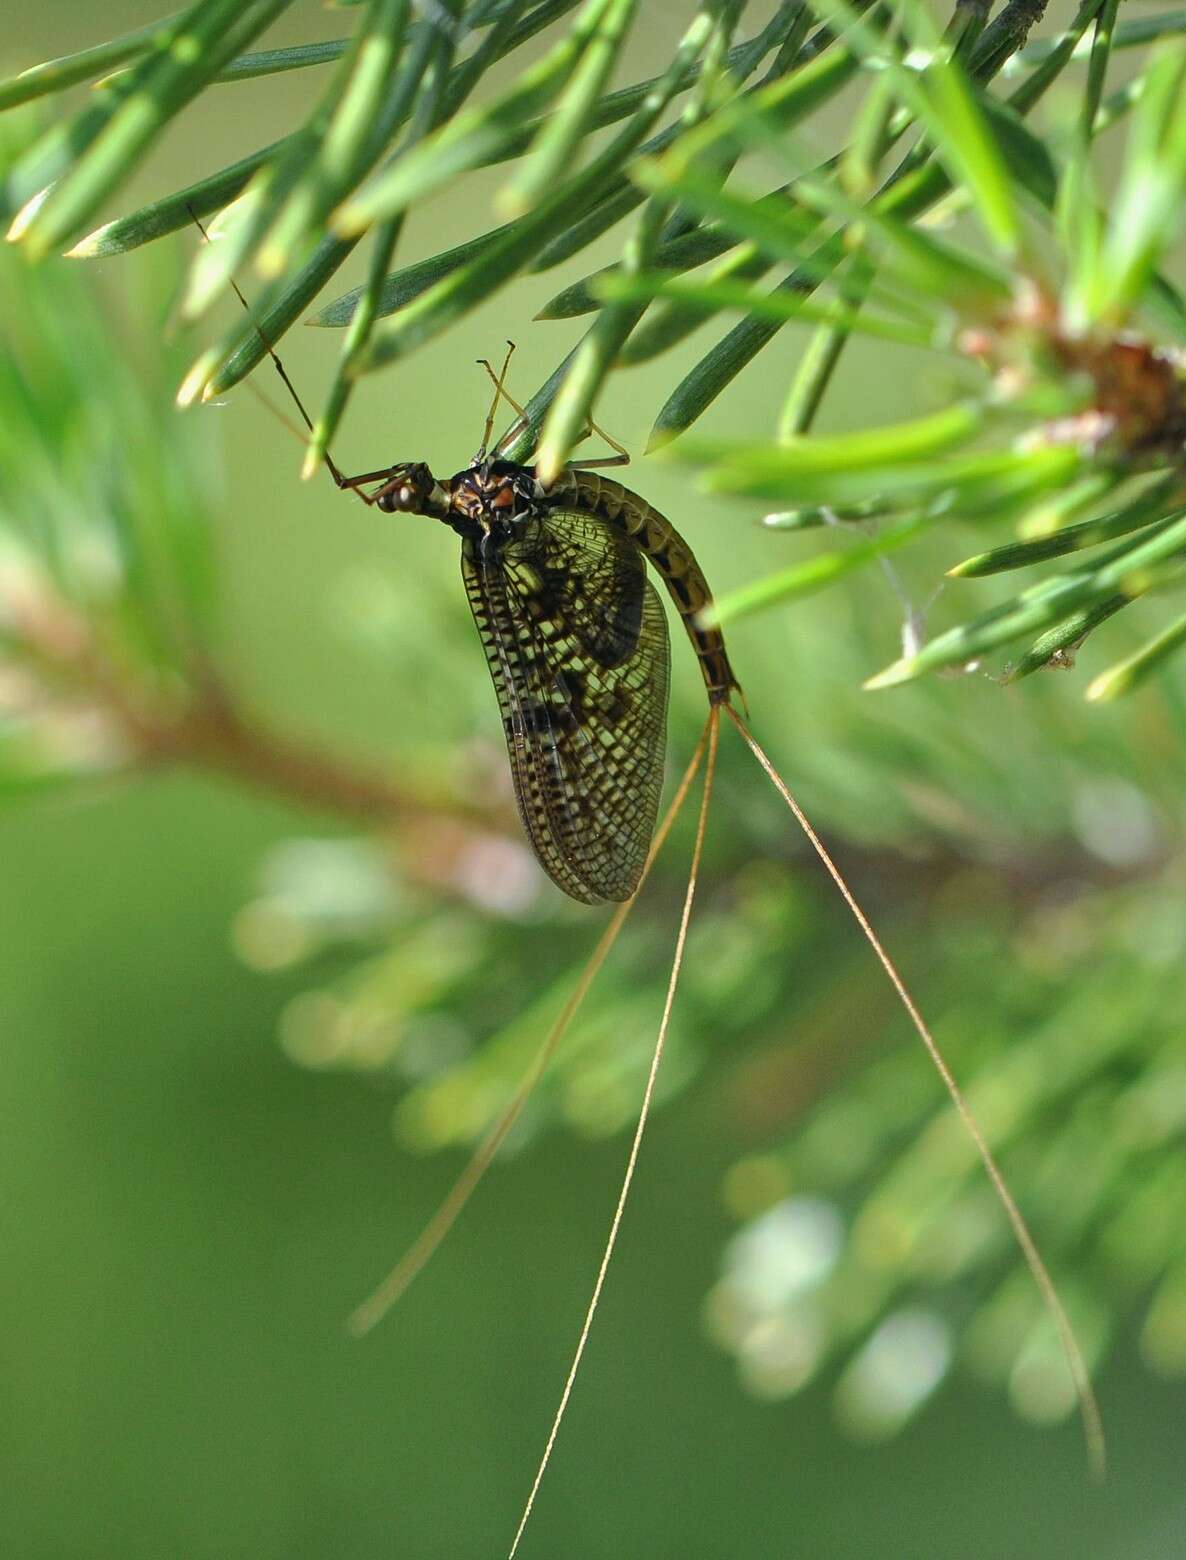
(575,638)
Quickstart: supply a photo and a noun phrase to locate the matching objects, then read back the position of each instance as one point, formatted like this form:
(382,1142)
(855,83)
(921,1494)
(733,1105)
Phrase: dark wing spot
(541,718)
(612,638)
(615,707)
(572,685)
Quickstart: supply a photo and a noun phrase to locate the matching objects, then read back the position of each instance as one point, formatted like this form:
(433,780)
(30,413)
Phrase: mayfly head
(412,489)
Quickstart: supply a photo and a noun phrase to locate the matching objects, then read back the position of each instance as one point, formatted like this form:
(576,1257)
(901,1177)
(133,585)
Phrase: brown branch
(208,728)
(216,736)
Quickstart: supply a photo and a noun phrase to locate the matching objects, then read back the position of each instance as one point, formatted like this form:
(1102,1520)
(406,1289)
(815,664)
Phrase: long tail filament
(1093,1429)
(712,731)
(379,1302)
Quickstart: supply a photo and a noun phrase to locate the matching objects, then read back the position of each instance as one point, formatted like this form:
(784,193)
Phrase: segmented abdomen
(655,535)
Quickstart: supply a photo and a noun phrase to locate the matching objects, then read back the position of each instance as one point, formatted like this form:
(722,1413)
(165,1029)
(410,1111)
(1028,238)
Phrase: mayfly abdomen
(672,558)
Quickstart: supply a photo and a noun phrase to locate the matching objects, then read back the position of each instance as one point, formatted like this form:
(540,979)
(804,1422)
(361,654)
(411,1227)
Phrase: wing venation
(576,640)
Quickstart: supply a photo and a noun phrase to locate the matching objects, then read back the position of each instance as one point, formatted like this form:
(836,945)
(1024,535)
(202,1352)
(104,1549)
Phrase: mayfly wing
(576,640)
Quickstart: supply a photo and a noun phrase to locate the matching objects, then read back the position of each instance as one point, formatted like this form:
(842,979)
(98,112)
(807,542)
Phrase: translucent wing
(576,640)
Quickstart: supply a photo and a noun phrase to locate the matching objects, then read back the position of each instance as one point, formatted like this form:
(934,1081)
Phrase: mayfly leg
(500,394)
(599,463)
(620,457)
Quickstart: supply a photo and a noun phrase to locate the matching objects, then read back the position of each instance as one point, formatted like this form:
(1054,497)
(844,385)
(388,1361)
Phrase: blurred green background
(215,1006)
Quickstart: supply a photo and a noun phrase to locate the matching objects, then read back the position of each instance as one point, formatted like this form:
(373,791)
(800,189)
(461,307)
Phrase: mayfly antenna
(346,483)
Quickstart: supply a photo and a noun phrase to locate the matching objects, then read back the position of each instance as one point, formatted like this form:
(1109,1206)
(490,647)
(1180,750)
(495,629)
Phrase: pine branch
(1047,311)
